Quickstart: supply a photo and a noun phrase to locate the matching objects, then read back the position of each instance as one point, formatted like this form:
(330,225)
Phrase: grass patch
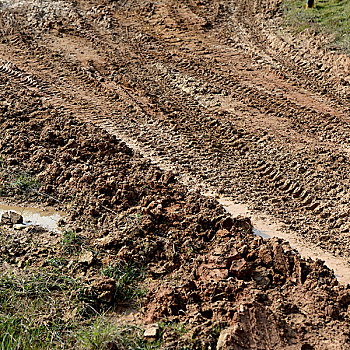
(71,242)
(36,284)
(25,182)
(19,183)
(18,332)
(328,16)
(127,278)
(31,309)
(104,333)
(37,308)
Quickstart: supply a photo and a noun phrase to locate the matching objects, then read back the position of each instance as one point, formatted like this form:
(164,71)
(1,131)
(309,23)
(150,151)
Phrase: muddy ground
(121,112)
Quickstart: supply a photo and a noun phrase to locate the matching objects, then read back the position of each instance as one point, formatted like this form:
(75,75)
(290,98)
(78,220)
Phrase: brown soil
(93,93)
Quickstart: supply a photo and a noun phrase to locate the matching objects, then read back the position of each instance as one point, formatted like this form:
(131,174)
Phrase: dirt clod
(11,218)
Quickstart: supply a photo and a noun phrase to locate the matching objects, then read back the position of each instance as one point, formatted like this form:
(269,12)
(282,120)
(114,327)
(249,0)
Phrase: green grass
(30,314)
(19,332)
(71,242)
(25,182)
(36,284)
(331,17)
(34,304)
(14,181)
(104,333)
(20,183)
(127,278)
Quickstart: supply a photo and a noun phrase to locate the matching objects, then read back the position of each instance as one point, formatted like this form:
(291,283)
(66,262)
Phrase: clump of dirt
(247,293)
(129,221)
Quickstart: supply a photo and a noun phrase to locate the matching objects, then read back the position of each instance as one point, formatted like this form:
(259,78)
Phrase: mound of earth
(206,270)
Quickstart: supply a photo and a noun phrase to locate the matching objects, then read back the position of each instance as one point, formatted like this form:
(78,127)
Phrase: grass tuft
(105,334)
(16,182)
(127,277)
(71,242)
(30,317)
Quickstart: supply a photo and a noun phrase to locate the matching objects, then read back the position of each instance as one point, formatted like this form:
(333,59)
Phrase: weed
(178,328)
(29,315)
(17,332)
(36,284)
(170,329)
(56,262)
(99,335)
(25,183)
(71,242)
(20,182)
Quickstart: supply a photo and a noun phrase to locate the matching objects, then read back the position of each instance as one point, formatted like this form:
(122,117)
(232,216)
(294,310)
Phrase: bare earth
(214,91)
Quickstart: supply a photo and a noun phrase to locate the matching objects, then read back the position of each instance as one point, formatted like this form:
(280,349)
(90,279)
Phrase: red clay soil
(93,93)
(228,287)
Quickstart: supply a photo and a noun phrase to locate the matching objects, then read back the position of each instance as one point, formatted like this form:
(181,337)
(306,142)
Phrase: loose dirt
(267,227)
(119,109)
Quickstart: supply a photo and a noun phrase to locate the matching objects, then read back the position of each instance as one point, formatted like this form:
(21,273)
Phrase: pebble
(11,217)
(151,331)
(19,226)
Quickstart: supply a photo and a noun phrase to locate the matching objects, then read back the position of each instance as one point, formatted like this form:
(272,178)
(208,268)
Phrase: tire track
(175,96)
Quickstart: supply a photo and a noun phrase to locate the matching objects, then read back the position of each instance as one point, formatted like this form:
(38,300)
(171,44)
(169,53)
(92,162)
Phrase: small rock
(332,311)
(124,253)
(211,272)
(86,258)
(265,254)
(280,261)
(344,297)
(260,275)
(5,219)
(19,226)
(227,339)
(151,331)
(243,224)
(16,218)
(227,223)
(11,218)
(223,339)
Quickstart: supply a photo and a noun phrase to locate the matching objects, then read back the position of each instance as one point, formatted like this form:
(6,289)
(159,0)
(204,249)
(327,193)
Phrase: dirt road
(210,89)
(220,94)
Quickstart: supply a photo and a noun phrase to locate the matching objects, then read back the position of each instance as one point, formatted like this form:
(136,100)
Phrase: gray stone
(227,339)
